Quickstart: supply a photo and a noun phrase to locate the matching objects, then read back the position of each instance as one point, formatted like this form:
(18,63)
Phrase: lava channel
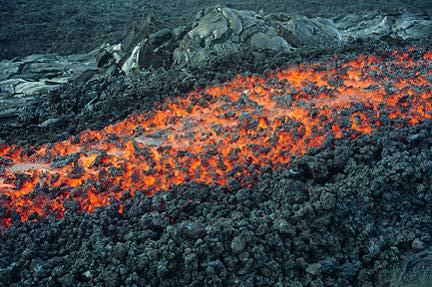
(222,135)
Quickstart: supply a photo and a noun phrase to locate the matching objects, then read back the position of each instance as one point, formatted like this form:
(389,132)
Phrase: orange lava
(225,132)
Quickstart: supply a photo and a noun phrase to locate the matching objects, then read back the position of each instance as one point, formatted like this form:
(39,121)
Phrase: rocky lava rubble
(352,211)
(312,174)
(291,228)
(226,134)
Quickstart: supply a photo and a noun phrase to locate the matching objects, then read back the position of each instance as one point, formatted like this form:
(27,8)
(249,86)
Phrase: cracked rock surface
(216,32)
(221,30)
(377,24)
(23,79)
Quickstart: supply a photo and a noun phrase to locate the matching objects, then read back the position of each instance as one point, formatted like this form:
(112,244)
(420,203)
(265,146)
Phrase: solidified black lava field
(354,212)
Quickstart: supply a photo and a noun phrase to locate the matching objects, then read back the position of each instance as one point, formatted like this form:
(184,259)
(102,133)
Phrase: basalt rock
(414,271)
(378,24)
(155,51)
(221,30)
(38,74)
(300,31)
(216,33)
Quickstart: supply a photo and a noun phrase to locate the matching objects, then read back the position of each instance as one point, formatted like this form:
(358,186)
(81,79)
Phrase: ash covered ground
(354,212)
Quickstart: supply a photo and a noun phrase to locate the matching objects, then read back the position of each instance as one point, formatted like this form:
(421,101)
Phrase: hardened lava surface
(67,27)
(316,174)
(226,134)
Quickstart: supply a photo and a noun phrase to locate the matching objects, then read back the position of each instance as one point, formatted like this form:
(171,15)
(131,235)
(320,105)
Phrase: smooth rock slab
(413,29)
(220,31)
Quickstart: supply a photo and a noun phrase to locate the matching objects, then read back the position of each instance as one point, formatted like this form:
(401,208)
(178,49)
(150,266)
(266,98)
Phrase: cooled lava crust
(316,174)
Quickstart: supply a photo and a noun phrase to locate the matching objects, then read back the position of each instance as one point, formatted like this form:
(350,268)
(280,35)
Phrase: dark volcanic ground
(66,27)
(290,229)
(78,106)
(337,217)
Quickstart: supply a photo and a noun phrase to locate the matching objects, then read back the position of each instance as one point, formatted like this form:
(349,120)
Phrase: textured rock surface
(300,31)
(71,27)
(340,232)
(275,233)
(378,24)
(217,32)
(221,30)
(414,271)
(37,74)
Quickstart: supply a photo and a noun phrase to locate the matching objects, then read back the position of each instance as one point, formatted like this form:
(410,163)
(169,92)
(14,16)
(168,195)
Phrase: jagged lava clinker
(223,134)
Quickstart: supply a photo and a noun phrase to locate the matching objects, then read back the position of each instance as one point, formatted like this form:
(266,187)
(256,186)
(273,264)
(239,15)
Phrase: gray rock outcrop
(300,31)
(37,74)
(217,32)
(220,31)
(376,25)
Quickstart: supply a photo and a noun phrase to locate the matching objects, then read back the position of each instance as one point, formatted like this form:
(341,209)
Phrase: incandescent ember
(225,134)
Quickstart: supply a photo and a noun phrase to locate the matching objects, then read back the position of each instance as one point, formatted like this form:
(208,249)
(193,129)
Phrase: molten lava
(222,134)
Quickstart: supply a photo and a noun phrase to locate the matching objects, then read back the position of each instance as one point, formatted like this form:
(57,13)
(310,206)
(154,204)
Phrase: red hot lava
(219,134)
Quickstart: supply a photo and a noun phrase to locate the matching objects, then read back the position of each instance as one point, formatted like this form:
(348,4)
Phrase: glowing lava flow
(218,135)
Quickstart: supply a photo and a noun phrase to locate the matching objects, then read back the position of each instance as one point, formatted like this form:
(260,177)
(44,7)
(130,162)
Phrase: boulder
(219,31)
(154,51)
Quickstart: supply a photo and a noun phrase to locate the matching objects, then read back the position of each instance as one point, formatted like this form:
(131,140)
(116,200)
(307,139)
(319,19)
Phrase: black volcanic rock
(414,270)
(71,27)
(275,232)
(348,217)
(192,230)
